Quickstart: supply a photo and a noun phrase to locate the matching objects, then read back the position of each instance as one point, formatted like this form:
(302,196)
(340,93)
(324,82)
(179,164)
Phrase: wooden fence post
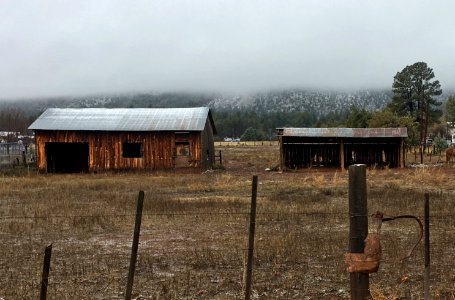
(249,268)
(427,248)
(137,230)
(45,274)
(358,227)
(221,159)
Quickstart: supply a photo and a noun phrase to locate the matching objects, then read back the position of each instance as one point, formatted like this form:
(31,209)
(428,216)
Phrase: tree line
(413,104)
(15,120)
(252,125)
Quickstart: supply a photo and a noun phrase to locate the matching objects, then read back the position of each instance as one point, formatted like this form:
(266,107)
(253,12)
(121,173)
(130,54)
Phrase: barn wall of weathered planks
(70,140)
(158,150)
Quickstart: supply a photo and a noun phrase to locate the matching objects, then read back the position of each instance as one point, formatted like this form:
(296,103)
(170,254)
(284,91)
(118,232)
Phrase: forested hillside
(263,112)
(318,102)
(260,113)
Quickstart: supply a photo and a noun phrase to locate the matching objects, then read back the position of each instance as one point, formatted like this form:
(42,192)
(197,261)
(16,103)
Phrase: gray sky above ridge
(52,48)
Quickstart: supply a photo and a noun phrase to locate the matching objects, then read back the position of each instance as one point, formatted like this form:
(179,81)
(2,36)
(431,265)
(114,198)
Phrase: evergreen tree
(439,144)
(358,118)
(252,134)
(385,119)
(414,89)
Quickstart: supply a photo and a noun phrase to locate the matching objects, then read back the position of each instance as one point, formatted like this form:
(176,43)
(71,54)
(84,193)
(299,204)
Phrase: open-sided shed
(340,147)
(101,139)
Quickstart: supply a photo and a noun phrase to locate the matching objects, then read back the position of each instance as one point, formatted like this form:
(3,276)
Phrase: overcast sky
(77,47)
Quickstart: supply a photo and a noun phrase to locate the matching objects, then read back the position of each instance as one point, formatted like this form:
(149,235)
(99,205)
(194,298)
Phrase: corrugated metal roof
(123,119)
(346,132)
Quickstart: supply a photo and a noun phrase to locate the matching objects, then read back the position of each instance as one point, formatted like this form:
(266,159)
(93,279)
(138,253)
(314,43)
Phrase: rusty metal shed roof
(344,132)
(124,119)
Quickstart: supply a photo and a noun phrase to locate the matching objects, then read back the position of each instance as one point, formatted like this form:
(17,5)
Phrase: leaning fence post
(427,248)
(45,274)
(358,227)
(249,268)
(134,247)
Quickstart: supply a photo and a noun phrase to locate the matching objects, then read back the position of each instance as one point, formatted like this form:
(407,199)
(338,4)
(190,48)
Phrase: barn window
(182,149)
(132,150)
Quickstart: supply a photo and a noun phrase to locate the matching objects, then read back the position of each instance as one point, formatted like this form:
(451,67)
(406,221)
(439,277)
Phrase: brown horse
(450,152)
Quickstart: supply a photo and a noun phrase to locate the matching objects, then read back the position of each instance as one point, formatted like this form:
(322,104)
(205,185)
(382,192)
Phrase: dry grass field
(194,231)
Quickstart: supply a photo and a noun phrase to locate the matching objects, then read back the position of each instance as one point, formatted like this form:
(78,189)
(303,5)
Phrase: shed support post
(280,139)
(358,227)
(402,154)
(342,155)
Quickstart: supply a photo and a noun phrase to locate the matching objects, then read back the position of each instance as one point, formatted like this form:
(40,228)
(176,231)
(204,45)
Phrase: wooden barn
(102,139)
(341,147)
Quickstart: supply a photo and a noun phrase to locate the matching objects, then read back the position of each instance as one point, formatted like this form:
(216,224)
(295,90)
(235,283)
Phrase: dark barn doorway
(67,157)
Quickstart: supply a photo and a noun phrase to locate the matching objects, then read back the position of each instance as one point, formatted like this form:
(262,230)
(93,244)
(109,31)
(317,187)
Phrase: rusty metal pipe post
(427,248)
(358,227)
(135,246)
(249,268)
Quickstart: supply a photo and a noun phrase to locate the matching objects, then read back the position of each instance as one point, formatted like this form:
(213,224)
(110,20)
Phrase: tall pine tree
(414,90)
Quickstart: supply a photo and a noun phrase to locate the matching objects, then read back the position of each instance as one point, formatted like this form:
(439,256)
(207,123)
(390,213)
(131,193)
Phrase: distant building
(101,139)
(9,136)
(341,147)
(9,133)
(450,133)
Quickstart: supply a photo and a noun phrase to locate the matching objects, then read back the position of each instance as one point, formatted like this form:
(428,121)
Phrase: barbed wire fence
(296,254)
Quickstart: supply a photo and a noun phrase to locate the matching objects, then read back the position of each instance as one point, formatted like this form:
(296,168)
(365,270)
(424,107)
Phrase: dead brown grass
(194,232)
